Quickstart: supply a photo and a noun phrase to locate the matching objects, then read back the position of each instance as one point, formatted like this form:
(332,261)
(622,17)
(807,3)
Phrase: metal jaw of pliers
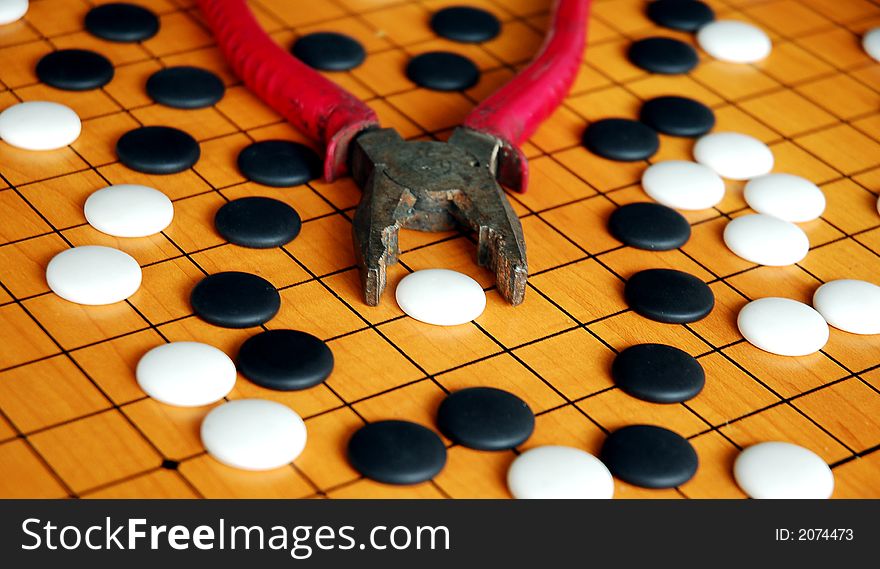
(429,186)
(434,186)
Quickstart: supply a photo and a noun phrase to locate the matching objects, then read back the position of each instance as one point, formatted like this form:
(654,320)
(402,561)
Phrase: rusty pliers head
(434,186)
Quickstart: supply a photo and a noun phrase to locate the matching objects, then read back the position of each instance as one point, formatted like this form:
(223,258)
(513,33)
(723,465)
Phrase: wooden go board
(73,422)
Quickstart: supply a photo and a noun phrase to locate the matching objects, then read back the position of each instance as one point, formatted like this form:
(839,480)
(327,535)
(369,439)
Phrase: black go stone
(648,225)
(649,456)
(624,140)
(257,222)
(279,163)
(465,24)
(122,22)
(684,15)
(443,71)
(157,150)
(396,452)
(678,116)
(658,373)
(74,70)
(235,300)
(329,51)
(666,56)
(185,87)
(485,418)
(669,296)
(285,360)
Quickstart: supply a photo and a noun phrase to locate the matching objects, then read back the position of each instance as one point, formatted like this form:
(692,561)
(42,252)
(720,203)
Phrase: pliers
(423,185)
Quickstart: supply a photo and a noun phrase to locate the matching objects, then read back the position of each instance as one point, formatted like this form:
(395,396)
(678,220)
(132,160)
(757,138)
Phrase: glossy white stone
(39,125)
(186,374)
(555,472)
(782,470)
(785,196)
(766,240)
(683,185)
(734,155)
(734,41)
(12,10)
(871,43)
(253,434)
(93,274)
(849,305)
(129,210)
(782,326)
(440,296)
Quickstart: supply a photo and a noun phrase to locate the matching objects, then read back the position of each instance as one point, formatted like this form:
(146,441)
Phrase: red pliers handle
(328,113)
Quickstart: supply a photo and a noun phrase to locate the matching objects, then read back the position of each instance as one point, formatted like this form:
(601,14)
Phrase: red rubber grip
(314,104)
(515,111)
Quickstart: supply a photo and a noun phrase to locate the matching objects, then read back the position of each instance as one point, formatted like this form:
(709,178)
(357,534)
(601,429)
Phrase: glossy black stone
(235,300)
(157,150)
(485,418)
(121,22)
(623,140)
(185,87)
(279,163)
(670,296)
(684,15)
(396,452)
(285,360)
(329,51)
(465,24)
(649,456)
(257,222)
(658,373)
(666,56)
(443,71)
(678,116)
(651,226)
(74,69)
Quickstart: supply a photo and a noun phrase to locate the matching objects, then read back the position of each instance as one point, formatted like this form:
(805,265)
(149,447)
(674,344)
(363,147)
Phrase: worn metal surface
(434,186)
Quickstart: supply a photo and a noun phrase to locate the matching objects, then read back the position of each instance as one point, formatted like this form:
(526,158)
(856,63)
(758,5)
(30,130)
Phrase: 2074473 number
(814,534)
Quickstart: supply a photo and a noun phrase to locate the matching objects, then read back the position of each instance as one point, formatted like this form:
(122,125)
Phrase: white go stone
(734,155)
(129,210)
(766,240)
(559,472)
(39,125)
(849,305)
(776,470)
(186,374)
(12,10)
(93,275)
(871,43)
(734,41)
(683,185)
(785,196)
(783,326)
(253,434)
(441,297)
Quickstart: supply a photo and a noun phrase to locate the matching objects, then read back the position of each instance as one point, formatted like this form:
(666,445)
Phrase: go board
(73,422)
